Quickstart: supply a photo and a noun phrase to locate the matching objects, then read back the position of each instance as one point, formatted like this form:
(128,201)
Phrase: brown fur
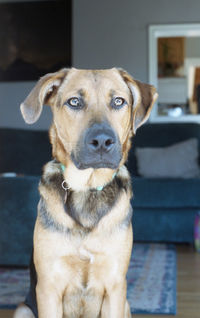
(83,237)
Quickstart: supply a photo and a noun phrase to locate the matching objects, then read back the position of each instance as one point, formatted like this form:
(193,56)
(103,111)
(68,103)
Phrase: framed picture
(35,38)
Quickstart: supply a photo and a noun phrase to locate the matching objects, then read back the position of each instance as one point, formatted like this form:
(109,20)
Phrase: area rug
(151,281)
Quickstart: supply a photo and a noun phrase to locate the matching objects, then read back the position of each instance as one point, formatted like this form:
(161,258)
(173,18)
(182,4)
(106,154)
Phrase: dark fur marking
(95,204)
(54,181)
(86,208)
(48,222)
(81,93)
(85,278)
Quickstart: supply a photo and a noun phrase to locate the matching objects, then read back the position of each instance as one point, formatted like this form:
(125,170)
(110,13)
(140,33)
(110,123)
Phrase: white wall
(11,96)
(192,47)
(114,32)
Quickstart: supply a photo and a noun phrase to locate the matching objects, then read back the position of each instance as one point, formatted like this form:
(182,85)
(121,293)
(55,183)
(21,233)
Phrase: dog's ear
(144,97)
(41,94)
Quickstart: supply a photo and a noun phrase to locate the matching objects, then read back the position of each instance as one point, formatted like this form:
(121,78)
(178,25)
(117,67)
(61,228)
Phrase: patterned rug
(151,281)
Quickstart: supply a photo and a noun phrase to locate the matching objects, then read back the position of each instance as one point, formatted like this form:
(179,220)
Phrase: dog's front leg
(49,302)
(115,304)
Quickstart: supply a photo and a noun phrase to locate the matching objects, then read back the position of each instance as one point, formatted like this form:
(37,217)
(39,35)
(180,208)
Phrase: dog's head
(95,113)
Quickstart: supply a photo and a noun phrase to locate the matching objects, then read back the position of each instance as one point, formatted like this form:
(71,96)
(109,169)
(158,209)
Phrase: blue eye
(75,102)
(118,102)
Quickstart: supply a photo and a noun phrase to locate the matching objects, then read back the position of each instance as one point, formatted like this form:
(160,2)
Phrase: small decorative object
(175,111)
(197,232)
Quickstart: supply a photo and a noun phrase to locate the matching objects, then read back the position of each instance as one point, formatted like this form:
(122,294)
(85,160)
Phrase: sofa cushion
(166,193)
(179,160)
(164,225)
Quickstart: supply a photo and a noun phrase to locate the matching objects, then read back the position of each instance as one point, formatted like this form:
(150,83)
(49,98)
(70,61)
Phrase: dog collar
(62,167)
(99,188)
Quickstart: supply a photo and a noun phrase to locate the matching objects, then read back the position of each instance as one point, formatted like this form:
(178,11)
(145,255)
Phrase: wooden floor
(188,286)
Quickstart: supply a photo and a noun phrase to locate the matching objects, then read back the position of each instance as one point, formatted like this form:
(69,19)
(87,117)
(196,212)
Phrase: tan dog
(83,233)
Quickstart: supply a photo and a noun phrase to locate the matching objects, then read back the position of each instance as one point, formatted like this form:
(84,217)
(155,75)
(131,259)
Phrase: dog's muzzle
(99,147)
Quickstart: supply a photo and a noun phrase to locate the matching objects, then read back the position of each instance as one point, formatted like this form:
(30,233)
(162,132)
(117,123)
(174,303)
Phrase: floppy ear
(144,97)
(41,94)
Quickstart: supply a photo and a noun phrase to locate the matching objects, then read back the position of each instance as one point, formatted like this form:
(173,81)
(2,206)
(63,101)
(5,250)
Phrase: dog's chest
(84,295)
(82,302)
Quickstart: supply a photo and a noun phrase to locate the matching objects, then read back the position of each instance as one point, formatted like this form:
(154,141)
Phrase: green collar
(62,167)
(99,188)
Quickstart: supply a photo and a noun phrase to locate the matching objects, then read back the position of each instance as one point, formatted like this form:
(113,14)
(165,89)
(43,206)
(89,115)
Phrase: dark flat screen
(35,39)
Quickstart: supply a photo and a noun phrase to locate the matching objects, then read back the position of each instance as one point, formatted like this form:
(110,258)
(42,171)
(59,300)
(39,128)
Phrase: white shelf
(168,119)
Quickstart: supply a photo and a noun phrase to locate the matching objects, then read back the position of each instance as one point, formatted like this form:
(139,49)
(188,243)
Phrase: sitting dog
(83,232)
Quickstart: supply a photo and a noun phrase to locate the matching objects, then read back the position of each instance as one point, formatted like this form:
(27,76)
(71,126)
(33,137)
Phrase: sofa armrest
(18,201)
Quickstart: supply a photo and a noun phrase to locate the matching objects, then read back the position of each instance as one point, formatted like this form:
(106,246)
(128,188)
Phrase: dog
(83,233)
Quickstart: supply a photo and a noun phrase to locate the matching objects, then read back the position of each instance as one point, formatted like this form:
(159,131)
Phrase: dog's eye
(75,102)
(118,102)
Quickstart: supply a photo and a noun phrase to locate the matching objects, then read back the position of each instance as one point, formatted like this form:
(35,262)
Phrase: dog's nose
(100,139)
(101,142)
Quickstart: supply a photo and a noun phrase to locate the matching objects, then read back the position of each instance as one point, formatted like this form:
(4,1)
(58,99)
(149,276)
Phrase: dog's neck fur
(84,207)
(80,180)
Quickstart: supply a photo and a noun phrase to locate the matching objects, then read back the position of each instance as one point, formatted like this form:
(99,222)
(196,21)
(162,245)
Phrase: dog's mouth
(98,147)
(96,163)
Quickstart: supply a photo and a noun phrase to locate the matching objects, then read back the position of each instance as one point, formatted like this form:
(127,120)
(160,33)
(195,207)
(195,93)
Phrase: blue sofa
(164,209)
(23,152)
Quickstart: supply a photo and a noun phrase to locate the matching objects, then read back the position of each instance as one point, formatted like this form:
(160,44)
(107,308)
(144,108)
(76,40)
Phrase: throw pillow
(177,161)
